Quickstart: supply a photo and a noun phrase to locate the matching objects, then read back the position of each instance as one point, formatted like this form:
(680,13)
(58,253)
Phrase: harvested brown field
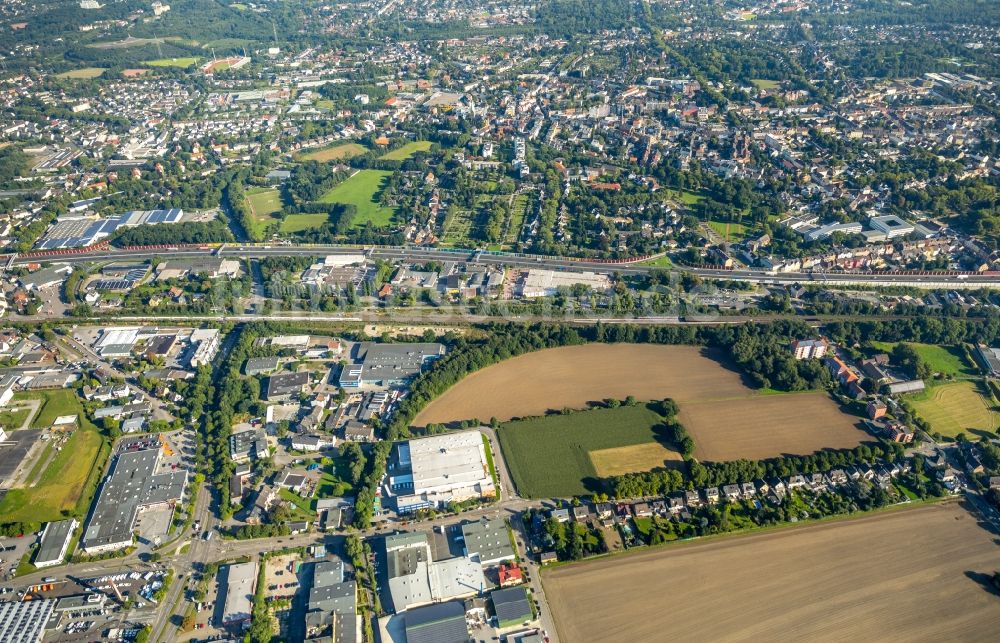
(635,457)
(726,419)
(769,425)
(912,575)
(572,376)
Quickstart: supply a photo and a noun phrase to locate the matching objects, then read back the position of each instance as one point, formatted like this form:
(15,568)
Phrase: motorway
(517,260)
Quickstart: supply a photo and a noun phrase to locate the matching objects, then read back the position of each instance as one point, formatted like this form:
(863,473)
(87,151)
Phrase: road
(518,260)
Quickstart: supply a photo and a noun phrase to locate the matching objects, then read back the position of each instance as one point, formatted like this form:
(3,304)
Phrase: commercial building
(77,232)
(132,486)
(511,606)
(285,385)
(415,579)
(54,545)
(240,581)
(25,621)
(546,283)
(891,225)
(442,623)
(387,364)
(260,365)
(434,471)
(989,359)
(488,541)
(331,597)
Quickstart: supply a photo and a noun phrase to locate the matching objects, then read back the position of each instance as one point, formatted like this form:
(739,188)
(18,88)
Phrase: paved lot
(13,453)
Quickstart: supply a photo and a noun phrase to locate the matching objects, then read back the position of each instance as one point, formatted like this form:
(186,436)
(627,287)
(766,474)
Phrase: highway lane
(533,261)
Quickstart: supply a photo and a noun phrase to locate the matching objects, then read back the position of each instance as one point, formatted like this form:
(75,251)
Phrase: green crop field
(362,190)
(264,203)
(183,63)
(335,152)
(949,360)
(299,222)
(551,456)
(68,478)
(82,74)
(957,407)
(406,151)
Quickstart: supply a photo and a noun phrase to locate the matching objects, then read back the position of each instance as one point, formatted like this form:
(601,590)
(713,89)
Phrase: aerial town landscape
(461,321)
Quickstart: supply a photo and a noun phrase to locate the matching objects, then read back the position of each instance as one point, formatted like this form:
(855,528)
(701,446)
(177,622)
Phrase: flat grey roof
(54,538)
(131,484)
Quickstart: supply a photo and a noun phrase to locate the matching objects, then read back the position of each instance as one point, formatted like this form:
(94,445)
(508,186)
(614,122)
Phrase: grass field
(763,83)
(726,419)
(54,403)
(405,152)
(629,459)
(59,485)
(335,152)
(299,222)
(957,407)
(729,231)
(85,74)
(682,196)
(363,190)
(552,456)
(264,203)
(891,576)
(183,63)
(948,360)
(11,420)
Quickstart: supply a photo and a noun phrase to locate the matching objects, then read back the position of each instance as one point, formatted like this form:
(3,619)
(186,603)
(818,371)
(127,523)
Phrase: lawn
(264,203)
(729,231)
(12,420)
(948,360)
(54,403)
(82,74)
(299,222)
(659,262)
(362,190)
(406,151)
(335,152)
(763,83)
(956,408)
(683,196)
(183,63)
(551,456)
(71,476)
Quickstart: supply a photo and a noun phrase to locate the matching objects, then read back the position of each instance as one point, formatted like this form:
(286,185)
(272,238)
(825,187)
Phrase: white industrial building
(415,579)
(431,472)
(545,283)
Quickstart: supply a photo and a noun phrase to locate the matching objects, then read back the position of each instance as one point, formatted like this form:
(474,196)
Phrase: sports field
(554,456)
(85,73)
(725,419)
(405,152)
(957,407)
(263,203)
(183,63)
(363,190)
(335,153)
(65,476)
(913,575)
